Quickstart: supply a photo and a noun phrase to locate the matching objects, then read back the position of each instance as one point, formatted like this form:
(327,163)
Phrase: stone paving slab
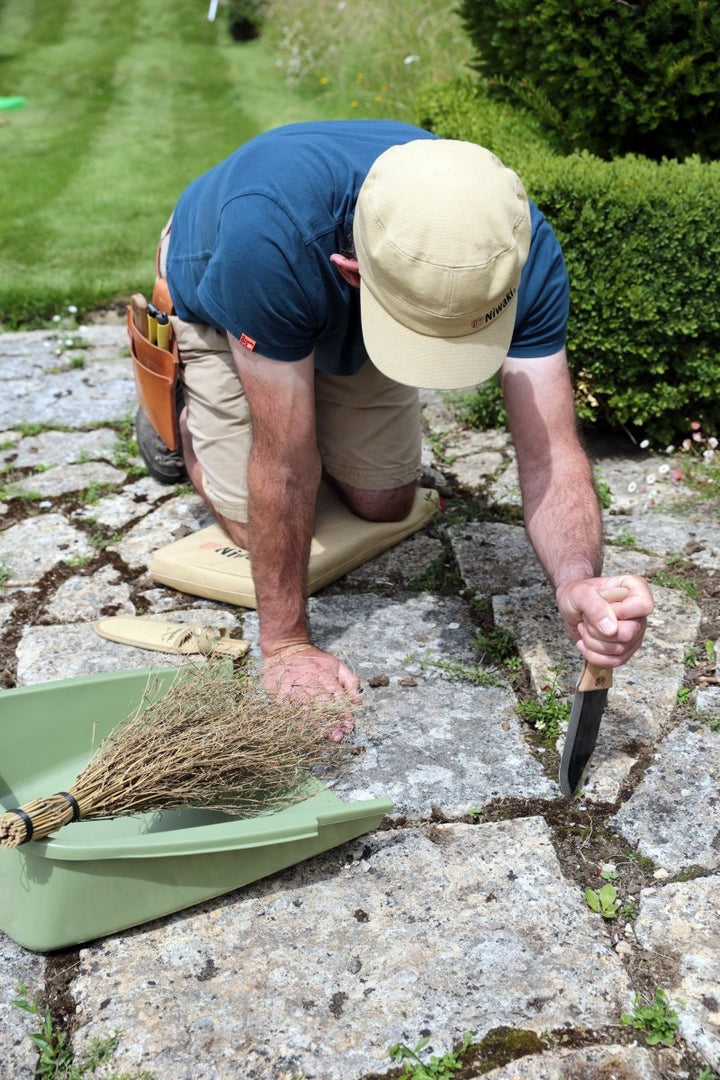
(63,479)
(38,544)
(435,929)
(43,393)
(591,1063)
(71,650)
(419,928)
(61,448)
(673,816)
(429,741)
(680,924)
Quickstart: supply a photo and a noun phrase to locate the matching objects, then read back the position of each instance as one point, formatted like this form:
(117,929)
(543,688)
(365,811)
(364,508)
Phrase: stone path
(466,911)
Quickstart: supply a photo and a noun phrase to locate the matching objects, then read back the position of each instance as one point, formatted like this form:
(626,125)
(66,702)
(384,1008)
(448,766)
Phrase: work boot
(166,466)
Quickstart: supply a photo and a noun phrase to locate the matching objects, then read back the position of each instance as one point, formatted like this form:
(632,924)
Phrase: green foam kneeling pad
(208,564)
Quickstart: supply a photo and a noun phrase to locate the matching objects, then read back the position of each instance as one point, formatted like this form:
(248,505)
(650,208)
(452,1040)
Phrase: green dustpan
(98,877)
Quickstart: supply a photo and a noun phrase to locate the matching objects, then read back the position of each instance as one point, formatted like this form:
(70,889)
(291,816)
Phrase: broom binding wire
(214,740)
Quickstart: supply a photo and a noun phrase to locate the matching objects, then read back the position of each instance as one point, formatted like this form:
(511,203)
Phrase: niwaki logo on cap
(493,313)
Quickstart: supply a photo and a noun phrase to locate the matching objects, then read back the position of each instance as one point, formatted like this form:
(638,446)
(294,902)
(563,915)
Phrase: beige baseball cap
(442,232)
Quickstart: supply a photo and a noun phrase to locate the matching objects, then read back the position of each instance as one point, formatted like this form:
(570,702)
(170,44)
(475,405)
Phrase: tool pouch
(156,375)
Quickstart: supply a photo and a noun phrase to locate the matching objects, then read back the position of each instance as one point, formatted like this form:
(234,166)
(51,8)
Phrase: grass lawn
(127,102)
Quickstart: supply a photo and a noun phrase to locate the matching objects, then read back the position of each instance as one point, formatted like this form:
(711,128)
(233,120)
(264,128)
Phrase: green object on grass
(11,102)
(95,878)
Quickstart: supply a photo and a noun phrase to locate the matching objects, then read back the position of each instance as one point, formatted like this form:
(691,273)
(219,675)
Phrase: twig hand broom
(215,740)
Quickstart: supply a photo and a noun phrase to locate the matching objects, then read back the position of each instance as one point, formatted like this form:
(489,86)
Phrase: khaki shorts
(368,427)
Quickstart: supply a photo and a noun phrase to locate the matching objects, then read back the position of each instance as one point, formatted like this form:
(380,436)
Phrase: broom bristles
(215,740)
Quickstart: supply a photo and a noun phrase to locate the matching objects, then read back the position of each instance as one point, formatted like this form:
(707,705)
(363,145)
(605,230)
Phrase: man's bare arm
(283,478)
(562,514)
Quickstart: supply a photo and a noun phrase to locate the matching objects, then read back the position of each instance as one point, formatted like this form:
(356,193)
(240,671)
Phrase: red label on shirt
(247,342)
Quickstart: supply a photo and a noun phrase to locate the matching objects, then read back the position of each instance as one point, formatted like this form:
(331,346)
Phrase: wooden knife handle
(593,677)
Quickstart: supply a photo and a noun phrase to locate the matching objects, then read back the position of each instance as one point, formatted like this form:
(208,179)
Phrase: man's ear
(348,268)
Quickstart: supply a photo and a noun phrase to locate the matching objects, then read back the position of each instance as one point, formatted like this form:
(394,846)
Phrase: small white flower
(632,486)
(708,454)
(411,59)
(669,449)
(72,309)
(712,442)
(644,444)
(56,318)
(650,478)
(664,470)
(687,445)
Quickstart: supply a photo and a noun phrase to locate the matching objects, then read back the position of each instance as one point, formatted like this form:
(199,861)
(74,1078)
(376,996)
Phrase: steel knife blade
(587,709)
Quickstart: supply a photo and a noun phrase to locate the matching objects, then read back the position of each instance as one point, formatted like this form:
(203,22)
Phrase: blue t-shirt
(252,238)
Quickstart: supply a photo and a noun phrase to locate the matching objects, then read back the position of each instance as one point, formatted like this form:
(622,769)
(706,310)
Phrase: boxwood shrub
(642,245)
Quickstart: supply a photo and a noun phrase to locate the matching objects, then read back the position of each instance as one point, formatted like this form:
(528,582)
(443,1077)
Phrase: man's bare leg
(236,530)
(392,505)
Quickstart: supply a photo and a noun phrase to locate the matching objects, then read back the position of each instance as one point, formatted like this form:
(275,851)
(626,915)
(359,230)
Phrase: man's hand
(607,631)
(303,673)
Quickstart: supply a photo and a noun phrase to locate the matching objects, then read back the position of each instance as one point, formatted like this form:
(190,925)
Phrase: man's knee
(392,505)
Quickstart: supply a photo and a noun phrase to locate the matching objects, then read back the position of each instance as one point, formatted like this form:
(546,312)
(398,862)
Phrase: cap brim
(434,363)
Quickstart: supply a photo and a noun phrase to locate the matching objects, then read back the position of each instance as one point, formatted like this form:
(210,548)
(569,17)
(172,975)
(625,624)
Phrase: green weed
(676,581)
(96,490)
(497,646)
(438,576)
(604,493)
(657,1020)
(549,713)
(435,1068)
(455,669)
(77,561)
(56,1058)
(604,902)
(710,720)
(626,540)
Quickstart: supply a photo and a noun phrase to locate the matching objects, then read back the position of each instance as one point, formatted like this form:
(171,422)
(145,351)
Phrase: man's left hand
(607,631)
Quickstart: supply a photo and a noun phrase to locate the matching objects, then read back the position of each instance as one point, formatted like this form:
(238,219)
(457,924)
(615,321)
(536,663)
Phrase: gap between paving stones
(583,837)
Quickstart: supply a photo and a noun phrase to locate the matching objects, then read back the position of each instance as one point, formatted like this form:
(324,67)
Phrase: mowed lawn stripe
(131,103)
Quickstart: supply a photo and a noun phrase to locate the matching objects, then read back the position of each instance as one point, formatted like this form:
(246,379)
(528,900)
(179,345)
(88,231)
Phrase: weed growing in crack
(56,1058)
(676,581)
(454,669)
(604,901)
(657,1020)
(550,713)
(435,1068)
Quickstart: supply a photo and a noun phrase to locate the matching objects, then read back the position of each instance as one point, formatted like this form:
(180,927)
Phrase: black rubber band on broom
(73,803)
(26,820)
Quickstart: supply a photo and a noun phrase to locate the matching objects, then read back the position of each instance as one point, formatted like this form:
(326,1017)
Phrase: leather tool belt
(155,366)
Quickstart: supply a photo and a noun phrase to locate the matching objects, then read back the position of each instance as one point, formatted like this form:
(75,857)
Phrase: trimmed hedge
(608,76)
(642,246)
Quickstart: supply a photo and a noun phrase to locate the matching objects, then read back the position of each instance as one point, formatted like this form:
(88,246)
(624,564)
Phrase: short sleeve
(543,296)
(261,280)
